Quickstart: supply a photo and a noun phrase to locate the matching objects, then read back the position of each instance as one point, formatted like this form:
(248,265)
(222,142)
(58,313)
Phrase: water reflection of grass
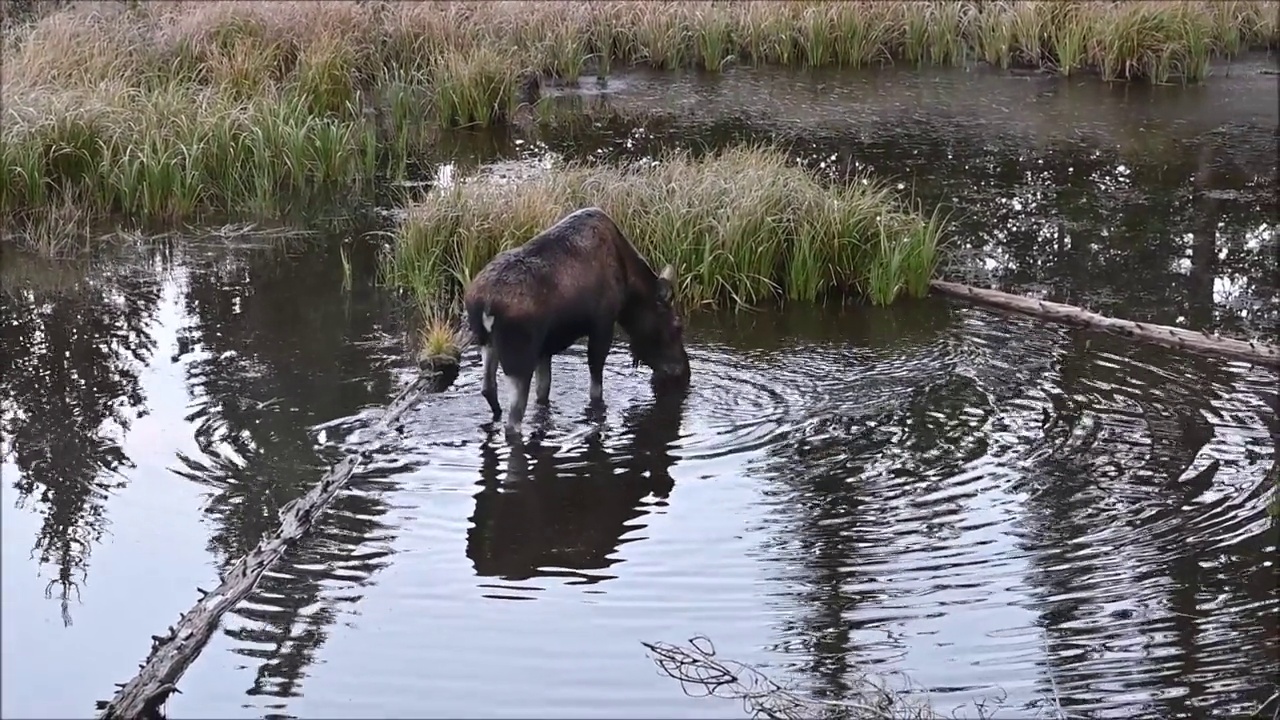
(21,273)
(58,230)
(164,109)
(743,225)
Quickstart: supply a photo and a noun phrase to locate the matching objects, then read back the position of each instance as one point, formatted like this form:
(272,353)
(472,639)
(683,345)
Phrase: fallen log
(174,651)
(1164,335)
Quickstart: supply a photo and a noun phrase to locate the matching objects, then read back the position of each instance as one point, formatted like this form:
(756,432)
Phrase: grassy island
(744,225)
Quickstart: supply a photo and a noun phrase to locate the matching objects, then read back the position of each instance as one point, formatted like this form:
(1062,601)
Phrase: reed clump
(744,225)
(440,336)
(163,109)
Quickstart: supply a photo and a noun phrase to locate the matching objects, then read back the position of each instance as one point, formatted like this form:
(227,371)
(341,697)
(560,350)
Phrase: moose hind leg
(519,401)
(542,380)
(489,384)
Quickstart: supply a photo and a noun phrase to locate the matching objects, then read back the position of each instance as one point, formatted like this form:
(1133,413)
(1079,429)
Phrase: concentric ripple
(987,504)
(1115,498)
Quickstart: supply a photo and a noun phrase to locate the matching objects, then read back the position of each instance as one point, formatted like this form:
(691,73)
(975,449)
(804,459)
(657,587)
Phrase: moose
(574,279)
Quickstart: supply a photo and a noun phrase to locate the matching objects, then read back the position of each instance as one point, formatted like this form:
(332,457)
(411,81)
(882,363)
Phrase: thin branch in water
(702,674)
(1274,697)
(1053,683)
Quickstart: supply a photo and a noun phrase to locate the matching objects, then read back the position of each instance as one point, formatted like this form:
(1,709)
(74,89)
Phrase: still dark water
(986,503)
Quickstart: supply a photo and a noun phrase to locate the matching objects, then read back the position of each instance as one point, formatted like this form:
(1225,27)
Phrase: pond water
(991,505)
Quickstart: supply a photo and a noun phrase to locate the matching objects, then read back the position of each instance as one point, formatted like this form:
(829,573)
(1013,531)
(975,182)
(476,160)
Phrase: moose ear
(668,273)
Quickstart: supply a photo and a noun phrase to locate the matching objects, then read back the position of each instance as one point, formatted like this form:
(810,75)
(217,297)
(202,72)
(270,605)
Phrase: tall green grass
(325,50)
(166,155)
(743,226)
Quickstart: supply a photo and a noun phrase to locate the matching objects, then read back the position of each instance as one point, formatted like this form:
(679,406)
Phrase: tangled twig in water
(702,674)
(698,667)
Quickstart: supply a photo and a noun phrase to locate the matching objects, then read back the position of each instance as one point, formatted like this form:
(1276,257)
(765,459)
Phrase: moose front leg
(542,381)
(598,344)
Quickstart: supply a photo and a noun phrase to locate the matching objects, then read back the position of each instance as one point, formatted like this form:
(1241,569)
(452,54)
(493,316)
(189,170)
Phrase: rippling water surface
(988,504)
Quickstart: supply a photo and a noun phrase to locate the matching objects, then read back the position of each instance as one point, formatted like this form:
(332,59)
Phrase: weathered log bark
(1164,335)
(174,651)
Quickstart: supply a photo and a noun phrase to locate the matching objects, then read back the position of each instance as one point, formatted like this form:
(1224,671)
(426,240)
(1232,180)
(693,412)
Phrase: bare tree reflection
(847,493)
(70,355)
(277,346)
(1125,524)
(564,515)
(1204,248)
(830,483)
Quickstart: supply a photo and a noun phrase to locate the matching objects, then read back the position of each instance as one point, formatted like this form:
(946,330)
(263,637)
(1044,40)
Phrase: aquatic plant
(744,225)
(1274,475)
(345,258)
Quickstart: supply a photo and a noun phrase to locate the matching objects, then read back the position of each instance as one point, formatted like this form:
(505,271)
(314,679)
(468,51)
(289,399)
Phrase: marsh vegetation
(166,111)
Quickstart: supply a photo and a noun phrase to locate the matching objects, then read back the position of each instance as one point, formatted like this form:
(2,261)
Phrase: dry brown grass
(245,45)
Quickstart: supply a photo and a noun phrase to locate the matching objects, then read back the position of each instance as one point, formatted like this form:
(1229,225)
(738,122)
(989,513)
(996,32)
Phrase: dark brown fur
(573,280)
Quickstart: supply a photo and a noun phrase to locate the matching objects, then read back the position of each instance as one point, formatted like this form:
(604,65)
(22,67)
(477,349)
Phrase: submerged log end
(148,707)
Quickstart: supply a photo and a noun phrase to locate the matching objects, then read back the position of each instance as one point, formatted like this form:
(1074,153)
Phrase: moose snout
(672,374)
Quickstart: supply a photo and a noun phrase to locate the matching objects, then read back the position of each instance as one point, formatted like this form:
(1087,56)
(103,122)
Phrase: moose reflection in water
(563,514)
